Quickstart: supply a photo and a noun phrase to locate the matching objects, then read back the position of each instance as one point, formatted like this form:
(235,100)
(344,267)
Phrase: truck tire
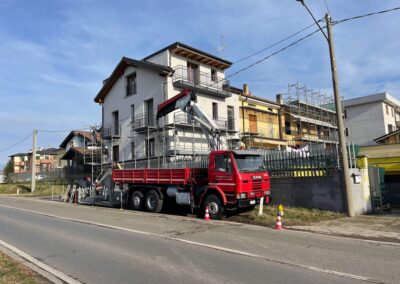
(215,207)
(137,200)
(153,202)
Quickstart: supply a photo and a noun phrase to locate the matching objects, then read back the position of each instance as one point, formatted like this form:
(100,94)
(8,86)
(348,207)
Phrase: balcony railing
(222,123)
(185,77)
(143,120)
(111,130)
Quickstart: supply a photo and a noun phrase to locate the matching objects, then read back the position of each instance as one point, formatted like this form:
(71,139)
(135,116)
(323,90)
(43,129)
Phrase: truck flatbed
(180,176)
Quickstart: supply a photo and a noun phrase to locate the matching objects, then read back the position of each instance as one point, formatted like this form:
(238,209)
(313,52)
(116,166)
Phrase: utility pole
(339,117)
(33,178)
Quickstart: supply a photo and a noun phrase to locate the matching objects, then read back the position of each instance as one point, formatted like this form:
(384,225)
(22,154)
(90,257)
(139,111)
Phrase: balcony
(143,121)
(200,82)
(186,120)
(111,131)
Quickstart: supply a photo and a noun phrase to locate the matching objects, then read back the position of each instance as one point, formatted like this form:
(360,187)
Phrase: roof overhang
(119,70)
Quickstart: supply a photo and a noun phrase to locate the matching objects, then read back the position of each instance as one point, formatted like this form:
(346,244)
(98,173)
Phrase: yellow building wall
(383,156)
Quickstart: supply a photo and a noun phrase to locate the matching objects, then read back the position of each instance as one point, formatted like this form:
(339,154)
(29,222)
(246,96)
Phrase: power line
(15,144)
(66,130)
(366,15)
(272,54)
(272,45)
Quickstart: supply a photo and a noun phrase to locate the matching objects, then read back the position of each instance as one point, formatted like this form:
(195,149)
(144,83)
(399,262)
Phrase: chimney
(279,99)
(246,90)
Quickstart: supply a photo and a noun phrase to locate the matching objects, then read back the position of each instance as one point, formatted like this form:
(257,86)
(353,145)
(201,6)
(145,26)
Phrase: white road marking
(219,248)
(40,264)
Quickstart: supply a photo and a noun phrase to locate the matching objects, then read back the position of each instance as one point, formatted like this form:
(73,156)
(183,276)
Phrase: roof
(380,97)
(260,99)
(49,151)
(125,62)
(180,48)
(86,134)
(19,154)
(73,151)
(383,137)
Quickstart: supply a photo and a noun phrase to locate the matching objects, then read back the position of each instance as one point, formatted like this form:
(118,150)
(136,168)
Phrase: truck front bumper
(243,203)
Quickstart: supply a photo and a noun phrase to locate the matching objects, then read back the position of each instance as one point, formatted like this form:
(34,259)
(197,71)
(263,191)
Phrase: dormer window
(213,75)
(131,84)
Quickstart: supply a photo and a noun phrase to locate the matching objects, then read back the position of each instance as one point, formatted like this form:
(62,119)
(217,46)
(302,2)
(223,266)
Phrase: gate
(377,187)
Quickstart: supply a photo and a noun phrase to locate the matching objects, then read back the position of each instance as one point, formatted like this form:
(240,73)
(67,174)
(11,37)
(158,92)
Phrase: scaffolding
(172,142)
(310,117)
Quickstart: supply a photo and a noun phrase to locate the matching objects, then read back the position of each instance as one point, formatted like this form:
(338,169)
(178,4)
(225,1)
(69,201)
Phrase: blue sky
(54,54)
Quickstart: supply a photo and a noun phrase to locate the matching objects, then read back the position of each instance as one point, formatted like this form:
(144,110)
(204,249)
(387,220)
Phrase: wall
(149,85)
(365,123)
(324,193)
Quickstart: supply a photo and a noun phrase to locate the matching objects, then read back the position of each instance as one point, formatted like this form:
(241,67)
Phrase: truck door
(223,174)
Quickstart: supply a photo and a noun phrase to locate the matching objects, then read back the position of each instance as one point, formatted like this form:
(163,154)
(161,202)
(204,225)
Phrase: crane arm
(185,102)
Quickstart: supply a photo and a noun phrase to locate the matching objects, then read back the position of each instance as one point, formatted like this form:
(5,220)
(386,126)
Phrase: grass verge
(12,272)
(42,189)
(293,216)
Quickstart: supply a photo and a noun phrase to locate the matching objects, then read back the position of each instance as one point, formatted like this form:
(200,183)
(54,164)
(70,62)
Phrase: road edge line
(219,248)
(58,274)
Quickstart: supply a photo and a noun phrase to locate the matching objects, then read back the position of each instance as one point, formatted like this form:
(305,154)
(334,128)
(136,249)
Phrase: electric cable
(15,144)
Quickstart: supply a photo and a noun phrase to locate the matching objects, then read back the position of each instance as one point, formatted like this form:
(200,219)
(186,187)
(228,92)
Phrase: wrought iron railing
(198,78)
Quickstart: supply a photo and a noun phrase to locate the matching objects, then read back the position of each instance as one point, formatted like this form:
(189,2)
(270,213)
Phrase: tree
(8,169)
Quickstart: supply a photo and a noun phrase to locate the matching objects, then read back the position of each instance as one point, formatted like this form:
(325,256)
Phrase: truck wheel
(153,202)
(137,200)
(215,207)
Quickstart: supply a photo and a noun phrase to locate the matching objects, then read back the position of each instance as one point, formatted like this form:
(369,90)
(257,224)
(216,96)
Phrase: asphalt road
(94,254)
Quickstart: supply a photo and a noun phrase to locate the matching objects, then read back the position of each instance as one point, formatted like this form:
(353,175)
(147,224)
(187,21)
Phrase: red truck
(234,179)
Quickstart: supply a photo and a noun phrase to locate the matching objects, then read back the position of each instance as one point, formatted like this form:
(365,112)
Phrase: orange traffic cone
(207,216)
(278,224)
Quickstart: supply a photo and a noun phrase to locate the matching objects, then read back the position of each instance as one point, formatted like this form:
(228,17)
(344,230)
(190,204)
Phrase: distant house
(46,160)
(82,150)
(371,116)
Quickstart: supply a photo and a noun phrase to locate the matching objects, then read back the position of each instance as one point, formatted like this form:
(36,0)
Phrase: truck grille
(257,185)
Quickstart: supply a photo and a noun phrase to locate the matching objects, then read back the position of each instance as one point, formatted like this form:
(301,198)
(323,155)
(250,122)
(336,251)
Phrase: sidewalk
(370,227)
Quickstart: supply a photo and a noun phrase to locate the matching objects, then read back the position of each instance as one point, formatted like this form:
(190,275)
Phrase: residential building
(308,118)
(82,150)
(259,121)
(130,96)
(371,116)
(46,160)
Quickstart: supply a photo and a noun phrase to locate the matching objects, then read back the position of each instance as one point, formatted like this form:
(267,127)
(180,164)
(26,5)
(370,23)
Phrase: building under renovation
(309,118)
(130,96)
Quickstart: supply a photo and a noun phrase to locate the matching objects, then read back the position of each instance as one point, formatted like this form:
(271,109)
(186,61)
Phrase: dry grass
(42,189)
(292,216)
(13,272)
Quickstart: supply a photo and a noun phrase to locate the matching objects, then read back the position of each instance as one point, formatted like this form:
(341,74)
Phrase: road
(154,248)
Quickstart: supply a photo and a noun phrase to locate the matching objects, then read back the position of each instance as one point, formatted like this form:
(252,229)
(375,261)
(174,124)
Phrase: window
(132,113)
(345,114)
(287,128)
(192,73)
(215,110)
(392,112)
(116,153)
(213,75)
(252,123)
(231,118)
(223,164)
(133,150)
(131,84)
(390,128)
(150,147)
(347,132)
(115,125)
(387,110)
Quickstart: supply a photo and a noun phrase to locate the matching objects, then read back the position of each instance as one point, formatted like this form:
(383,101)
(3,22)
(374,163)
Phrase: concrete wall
(309,192)
(321,192)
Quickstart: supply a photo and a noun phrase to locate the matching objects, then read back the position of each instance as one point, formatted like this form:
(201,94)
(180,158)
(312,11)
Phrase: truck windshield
(249,163)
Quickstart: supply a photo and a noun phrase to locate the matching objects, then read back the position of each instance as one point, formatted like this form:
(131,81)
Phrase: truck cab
(236,179)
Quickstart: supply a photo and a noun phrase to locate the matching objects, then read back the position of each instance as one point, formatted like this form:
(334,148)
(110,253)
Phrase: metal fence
(301,163)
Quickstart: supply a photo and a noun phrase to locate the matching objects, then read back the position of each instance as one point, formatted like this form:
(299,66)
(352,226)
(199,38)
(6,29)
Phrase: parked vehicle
(234,178)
